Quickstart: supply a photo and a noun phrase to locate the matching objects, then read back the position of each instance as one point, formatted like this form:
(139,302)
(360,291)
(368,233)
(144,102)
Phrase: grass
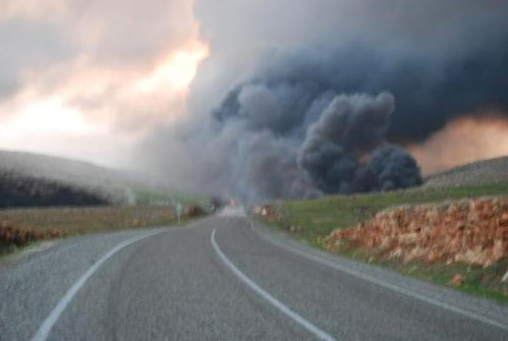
(319,217)
(478,281)
(34,224)
(146,197)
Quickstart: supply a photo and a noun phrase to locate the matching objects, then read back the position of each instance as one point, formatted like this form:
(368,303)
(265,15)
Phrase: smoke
(394,168)
(302,98)
(349,129)
(267,142)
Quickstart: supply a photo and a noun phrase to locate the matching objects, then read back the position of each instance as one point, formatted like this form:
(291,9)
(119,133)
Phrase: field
(19,227)
(44,197)
(313,221)
(321,216)
(144,196)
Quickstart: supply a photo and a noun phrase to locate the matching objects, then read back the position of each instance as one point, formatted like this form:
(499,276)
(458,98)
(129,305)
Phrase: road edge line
(268,297)
(43,332)
(384,284)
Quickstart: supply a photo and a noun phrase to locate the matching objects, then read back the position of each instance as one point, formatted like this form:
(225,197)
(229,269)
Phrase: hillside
(43,197)
(24,191)
(102,181)
(481,172)
(26,176)
(319,222)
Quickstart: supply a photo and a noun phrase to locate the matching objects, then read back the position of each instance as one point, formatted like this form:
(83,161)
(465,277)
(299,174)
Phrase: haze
(189,89)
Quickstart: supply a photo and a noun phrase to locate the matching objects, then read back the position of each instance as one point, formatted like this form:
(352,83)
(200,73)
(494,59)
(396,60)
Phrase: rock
(473,231)
(457,280)
(268,212)
(503,220)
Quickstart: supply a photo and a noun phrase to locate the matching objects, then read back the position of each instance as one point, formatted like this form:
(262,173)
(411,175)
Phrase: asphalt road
(224,278)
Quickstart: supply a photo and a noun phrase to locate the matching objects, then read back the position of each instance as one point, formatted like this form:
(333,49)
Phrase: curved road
(224,278)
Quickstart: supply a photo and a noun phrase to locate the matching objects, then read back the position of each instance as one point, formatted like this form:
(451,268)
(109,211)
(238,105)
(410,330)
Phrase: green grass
(146,197)
(478,281)
(320,216)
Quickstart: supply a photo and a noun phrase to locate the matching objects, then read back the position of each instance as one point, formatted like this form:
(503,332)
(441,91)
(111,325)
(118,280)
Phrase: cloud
(470,137)
(280,69)
(349,129)
(290,90)
(120,65)
(28,47)
(438,58)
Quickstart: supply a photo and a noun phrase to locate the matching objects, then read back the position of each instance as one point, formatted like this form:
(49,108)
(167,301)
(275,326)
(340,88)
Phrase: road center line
(383,284)
(44,330)
(265,295)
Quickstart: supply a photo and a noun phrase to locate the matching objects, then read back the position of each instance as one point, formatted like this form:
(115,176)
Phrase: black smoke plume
(301,98)
(270,141)
(349,129)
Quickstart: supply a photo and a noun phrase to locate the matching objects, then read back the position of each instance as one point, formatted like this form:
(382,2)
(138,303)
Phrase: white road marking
(44,330)
(279,305)
(384,284)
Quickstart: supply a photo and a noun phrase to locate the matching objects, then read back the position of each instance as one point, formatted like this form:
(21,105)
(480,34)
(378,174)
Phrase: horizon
(171,79)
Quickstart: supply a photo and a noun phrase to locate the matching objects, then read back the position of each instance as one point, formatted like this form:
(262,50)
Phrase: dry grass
(18,227)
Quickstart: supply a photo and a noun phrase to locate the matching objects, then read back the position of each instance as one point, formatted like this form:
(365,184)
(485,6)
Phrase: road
(224,278)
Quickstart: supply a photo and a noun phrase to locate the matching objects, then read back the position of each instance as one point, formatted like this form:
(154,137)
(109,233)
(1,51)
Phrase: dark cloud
(308,89)
(429,92)
(394,168)
(438,58)
(349,129)
(331,167)
(357,122)
(324,147)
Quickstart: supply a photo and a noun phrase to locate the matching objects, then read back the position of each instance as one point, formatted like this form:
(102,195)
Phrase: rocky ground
(470,231)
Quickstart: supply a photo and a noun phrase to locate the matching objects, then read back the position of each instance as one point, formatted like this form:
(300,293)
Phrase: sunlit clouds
(174,73)
(48,116)
(482,135)
(121,69)
(61,113)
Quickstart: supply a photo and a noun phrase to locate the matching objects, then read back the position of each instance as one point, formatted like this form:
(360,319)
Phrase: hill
(28,179)
(451,231)
(25,191)
(477,173)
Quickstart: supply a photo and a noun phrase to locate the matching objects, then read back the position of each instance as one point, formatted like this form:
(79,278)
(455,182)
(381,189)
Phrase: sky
(112,81)
(89,79)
